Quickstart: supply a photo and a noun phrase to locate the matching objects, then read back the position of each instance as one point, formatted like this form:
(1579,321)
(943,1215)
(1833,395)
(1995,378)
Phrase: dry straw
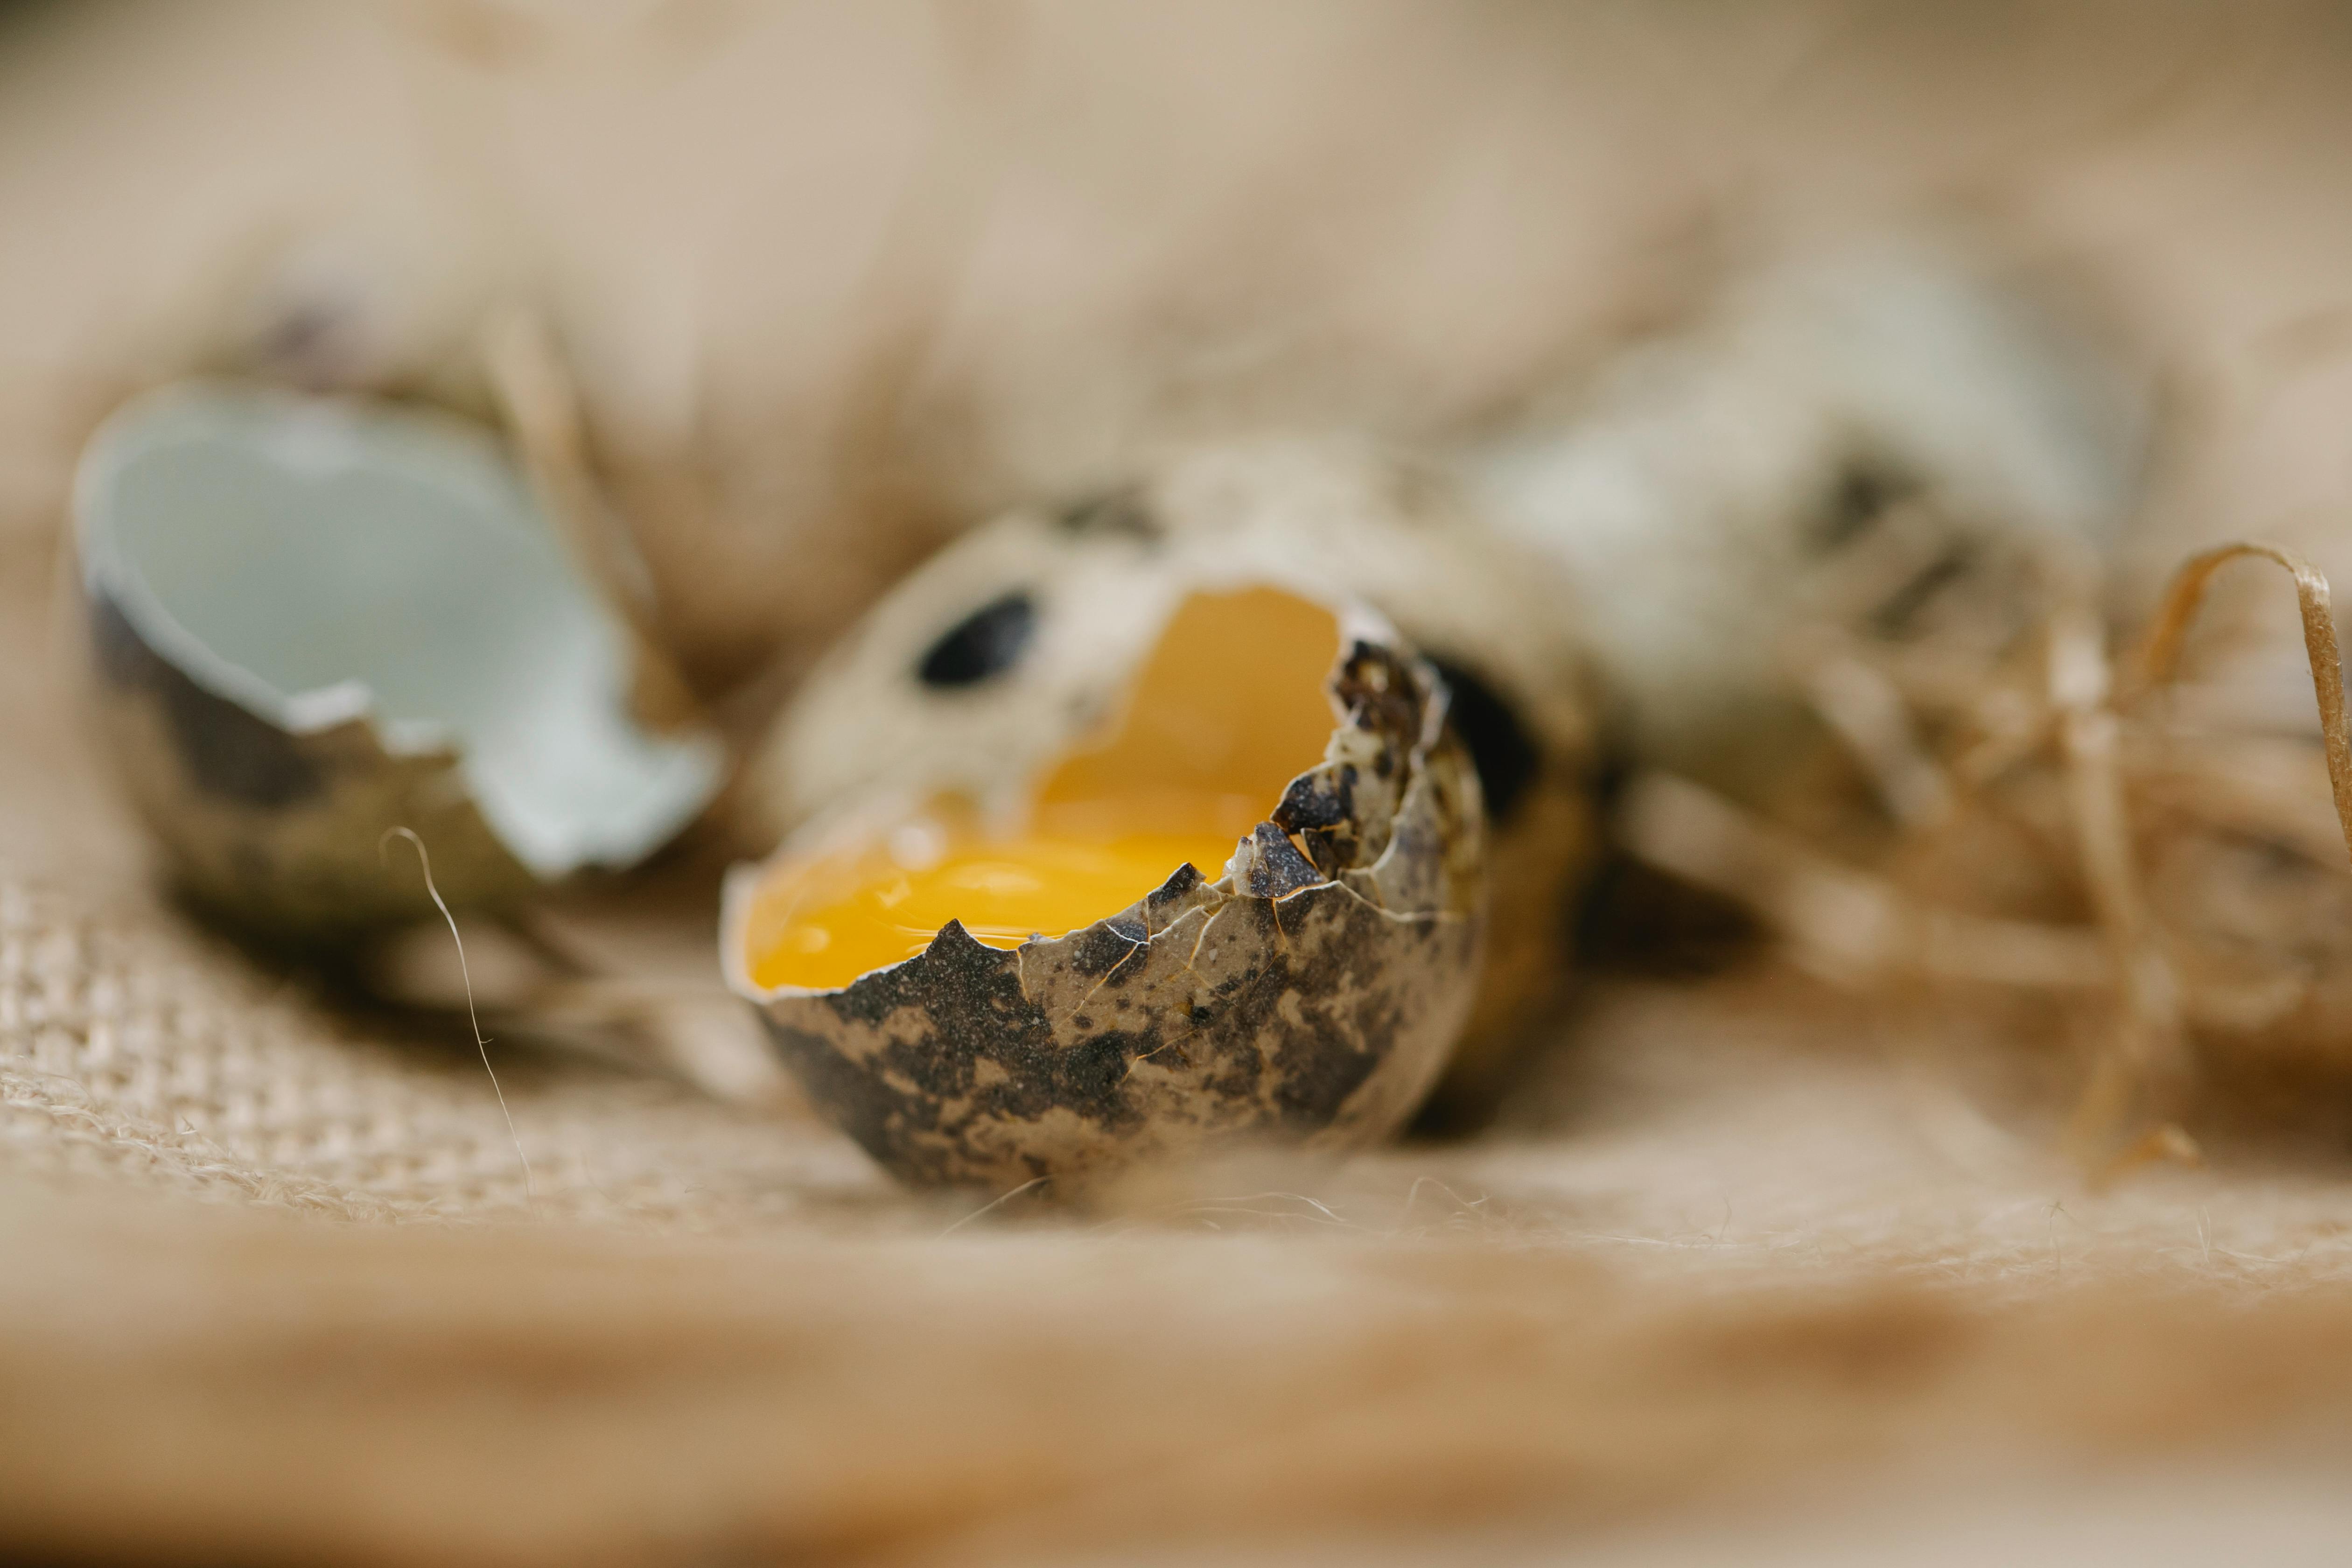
(2041,809)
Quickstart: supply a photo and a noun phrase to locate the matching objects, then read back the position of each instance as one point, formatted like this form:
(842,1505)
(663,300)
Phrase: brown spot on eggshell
(1125,510)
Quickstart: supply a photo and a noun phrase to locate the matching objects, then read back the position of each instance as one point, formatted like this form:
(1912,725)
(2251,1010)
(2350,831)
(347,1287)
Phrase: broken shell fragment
(314,620)
(1184,930)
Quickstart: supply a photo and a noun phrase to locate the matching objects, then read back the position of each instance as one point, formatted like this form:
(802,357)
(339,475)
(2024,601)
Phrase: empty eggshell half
(312,620)
(1249,903)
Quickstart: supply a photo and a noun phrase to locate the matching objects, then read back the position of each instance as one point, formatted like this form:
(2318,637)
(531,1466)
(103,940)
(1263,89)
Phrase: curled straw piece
(2159,655)
(2150,1045)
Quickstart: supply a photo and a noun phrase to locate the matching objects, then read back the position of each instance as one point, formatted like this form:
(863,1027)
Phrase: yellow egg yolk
(1229,708)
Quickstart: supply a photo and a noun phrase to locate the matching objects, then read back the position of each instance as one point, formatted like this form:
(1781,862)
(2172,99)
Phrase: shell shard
(311,620)
(1311,992)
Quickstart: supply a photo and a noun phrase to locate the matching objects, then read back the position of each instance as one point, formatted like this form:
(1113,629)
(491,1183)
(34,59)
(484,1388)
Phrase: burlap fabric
(1746,1270)
(138,1050)
(1741,1269)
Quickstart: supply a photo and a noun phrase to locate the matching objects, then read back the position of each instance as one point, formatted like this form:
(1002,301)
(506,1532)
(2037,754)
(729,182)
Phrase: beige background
(1750,1272)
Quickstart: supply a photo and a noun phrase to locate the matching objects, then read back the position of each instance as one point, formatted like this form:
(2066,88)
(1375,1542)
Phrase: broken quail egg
(1244,898)
(313,620)
(1880,442)
(1005,648)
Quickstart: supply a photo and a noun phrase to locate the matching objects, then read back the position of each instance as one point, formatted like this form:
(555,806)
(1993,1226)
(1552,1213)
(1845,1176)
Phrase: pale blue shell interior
(319,561)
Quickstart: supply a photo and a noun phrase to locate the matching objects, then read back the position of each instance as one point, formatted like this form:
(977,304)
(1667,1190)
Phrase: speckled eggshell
(1499,621)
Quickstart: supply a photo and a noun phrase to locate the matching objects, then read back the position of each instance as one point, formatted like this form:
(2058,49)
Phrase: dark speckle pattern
(1126,511)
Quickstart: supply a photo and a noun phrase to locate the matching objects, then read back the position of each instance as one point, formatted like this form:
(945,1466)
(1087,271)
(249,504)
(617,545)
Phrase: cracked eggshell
(311,620)
(1311,998)
(1000,651)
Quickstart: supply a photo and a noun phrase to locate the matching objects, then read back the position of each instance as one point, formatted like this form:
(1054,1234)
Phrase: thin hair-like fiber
(425,860)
